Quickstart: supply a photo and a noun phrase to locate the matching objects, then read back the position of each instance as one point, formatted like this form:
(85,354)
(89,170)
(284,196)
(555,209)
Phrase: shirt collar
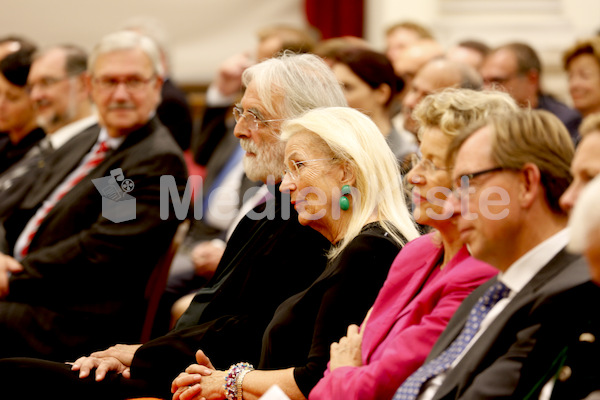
(112,142)
(526,267)
(61,136)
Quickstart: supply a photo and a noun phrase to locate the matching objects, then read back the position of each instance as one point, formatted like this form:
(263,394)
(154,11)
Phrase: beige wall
(202,33)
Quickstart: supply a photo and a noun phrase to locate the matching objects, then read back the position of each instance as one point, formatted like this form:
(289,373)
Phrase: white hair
(127,40)
(354,139)
(585,217)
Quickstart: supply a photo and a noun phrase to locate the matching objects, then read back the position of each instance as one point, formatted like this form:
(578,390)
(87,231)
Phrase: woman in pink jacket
(428,279)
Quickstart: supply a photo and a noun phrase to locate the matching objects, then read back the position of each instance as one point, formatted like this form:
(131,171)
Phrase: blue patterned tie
(412,386)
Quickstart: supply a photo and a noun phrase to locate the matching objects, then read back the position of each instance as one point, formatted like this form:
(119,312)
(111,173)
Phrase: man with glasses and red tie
(71,280)
(509,174)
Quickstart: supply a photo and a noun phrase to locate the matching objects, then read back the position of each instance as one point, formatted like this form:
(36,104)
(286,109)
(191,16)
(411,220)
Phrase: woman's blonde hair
(451,109)
(353,139)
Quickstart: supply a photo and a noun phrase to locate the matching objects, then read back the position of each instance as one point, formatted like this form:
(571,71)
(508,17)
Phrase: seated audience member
(471,52)
(586,163)
(216,148)
(564,361)
(12,43)
(370,85)
(73,280)
(431,275)
(509,172)
(231,313)
(57,87)
(173,111)
(328,48)
(410,60)
(344,182)
(582,63)
(18,128)
(433,77)
(401,35)
(516,68)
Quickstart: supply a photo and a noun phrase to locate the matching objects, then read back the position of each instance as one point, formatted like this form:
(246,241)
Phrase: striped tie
(74,178)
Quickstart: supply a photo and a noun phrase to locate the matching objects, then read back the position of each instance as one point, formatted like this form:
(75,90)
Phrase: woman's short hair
(585,46)
(585,217)
(451,109)
(372,67)
(354,139)
(127,40)
(292,84)
(528,136)
(590,124)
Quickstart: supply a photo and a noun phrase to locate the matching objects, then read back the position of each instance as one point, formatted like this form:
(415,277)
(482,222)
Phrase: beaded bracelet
(231,385)
(239,382)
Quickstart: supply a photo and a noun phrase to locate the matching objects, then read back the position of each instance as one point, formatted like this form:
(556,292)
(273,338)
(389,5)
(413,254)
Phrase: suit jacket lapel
(60,164)
(560,273)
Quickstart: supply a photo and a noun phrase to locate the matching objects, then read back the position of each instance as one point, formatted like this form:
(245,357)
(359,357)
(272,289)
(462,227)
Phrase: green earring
(344,201)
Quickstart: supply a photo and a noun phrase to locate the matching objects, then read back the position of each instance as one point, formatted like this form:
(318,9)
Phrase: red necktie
(74,178)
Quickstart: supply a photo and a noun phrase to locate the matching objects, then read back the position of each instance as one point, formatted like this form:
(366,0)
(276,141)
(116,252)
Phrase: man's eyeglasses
(294,170)
(47,82)
(132,83)
(252,120)
(499,80)
(425,163)
(464,183)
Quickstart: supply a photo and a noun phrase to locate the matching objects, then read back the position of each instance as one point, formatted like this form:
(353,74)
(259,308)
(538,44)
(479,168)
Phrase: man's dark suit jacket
(570,117)
(567,346)
(11,153)
(491,367)
(84,276)
(174,112)
(70,152)
(265,262)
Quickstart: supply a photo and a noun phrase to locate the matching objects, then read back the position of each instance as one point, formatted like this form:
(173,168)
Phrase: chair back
(158,281)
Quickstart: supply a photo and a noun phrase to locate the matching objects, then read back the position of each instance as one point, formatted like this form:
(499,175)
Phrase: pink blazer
(412,309)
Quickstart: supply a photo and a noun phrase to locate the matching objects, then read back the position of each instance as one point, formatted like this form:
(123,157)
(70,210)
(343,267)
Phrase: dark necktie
(411,388)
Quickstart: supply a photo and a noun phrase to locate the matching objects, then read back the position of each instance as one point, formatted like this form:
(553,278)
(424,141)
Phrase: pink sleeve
(403,356)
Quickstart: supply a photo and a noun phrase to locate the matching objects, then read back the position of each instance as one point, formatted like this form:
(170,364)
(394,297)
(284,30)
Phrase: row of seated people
(335,239)
(77,246)
(376,83)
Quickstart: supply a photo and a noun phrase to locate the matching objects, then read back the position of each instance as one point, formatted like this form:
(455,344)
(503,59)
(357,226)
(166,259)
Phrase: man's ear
(530,185)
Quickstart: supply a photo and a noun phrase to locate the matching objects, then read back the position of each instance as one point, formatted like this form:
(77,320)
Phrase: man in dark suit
(268,258)
(56,84)
(516,68)
(509,173)
(73,280)
(564,362)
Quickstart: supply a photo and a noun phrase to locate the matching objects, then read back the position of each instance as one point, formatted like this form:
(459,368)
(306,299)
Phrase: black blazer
(83,265)
(266,261)
(567,346)
(67,157)
(491,366)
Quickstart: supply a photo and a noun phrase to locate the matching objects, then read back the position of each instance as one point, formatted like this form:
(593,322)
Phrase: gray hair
(353,138)
(76,57)
(127,40)
(292,84)
(585,217)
